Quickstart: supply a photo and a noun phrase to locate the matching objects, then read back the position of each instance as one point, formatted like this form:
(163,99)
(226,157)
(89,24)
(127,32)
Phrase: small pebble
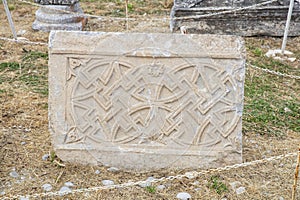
(147,183)
(23,143)
(97,171)
(45,157)
(2,193)
(113,169)
(292,59)
(280,198)
(14,174)
(161,187)
(195,183)
(21,32)
(190,175)
(27,130)
(240,190)
(69,184)
(64,190)
(24,198)
(235,184)
(107,182)
(183,196)
(47,187)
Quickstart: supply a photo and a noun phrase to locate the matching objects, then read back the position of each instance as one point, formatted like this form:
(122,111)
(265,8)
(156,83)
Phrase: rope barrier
(274,72)
(97,16)
(193,174)
(226,11)
(188,175)
(247,64)
(156,19)
(23,41)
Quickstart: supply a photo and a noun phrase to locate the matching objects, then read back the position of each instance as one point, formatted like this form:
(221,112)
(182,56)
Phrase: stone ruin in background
(56,15)
(266,20)
(144,102)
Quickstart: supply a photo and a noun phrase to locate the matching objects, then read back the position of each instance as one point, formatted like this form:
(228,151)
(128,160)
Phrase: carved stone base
(266,20)
(58,17)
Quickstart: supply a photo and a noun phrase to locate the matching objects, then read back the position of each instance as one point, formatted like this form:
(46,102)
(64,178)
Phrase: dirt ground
(25,139)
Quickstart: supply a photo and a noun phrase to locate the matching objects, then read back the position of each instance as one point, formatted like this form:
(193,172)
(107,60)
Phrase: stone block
(266,20)
(144,102)
(56,2)
(59,17)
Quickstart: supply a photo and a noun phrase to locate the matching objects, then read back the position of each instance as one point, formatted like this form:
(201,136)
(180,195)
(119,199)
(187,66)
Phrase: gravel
(69,184)
(45,157)
(147,183)
(161,187)
(47,187)
(14,174)
(113,169)
(107,182)
(240,190)
(64,190)
(183,196)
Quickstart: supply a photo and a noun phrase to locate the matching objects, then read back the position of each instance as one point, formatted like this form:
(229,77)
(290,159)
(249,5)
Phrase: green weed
(150,189)
(11,66)
(217,185)
(130,7)
(257,52)
(52,156)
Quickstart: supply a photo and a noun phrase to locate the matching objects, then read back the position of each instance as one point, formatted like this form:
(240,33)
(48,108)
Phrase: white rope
(226,11)
(155,19)
(274,72)
(98,17)
(189,175)
(10,21)
(23,41)
(250,65)
(287,26)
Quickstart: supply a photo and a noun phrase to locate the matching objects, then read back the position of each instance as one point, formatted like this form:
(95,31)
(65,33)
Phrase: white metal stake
(10,21)
(287,26)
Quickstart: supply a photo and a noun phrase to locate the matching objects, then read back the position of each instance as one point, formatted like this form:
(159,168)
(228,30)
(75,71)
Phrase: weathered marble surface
(265,20)
(146,101)
(56,2)
(60,17)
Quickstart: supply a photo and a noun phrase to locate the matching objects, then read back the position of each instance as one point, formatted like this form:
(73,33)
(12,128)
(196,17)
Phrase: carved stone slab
(146,101)
(269,19)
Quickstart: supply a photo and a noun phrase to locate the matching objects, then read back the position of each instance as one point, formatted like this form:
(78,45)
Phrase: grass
(150,189)
(135,7)
(217,185)
(30,72)
(271,109)
(271,103)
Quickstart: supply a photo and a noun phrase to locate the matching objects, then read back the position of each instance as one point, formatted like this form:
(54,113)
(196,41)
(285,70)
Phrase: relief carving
(154,104)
